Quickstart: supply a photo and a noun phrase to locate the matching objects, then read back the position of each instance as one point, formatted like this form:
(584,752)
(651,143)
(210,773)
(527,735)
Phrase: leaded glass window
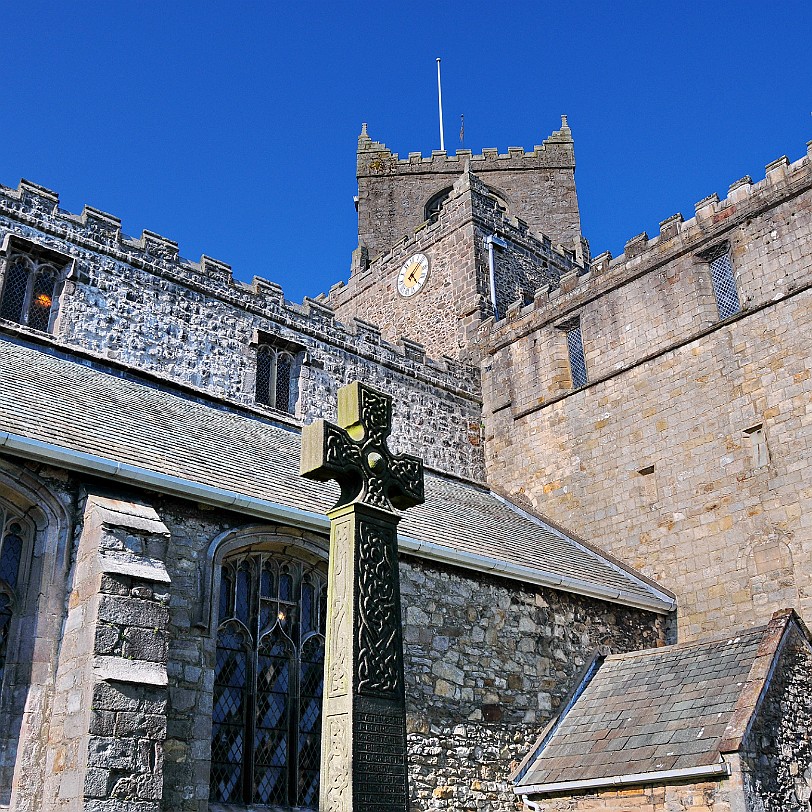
(12,543)
(724,284)
(268,681)
(575,349)
(30,291)
(275,379)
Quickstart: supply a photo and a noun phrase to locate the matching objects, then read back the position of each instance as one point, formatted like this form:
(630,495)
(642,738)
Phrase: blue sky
(231,127)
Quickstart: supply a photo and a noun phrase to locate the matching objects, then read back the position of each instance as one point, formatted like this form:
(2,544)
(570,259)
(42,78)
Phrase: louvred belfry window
(30,290)
(268,682)
(12,542)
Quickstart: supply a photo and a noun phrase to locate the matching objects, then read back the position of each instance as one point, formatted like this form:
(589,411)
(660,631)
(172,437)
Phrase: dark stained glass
(311,685)
(724,286)
(243,601)
(268,685)
(5,622)
(229,714)
(10,554)
(15,289)
(284,370)
(265,359)
(271,743)
(275,378)
(575,346)
(225,594)
(42,299)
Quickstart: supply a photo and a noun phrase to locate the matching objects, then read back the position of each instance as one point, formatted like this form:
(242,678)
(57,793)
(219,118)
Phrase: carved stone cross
(363,751)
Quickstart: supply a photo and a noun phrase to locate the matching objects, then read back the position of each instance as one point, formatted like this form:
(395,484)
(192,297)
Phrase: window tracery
(13,534)
(30,290)
(268,681)
(275,381)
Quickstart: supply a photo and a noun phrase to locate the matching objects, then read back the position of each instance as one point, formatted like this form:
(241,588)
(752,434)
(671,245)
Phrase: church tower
(447,241)
(396,195)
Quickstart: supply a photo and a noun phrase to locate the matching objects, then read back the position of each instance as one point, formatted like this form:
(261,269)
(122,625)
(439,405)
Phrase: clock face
(413,275)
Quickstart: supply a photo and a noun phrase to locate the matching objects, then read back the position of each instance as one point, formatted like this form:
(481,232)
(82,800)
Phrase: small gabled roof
(656,715)
(56,409)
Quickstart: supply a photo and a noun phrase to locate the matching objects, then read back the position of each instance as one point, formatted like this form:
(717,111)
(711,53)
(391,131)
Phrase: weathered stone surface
(364,764)
(777,762)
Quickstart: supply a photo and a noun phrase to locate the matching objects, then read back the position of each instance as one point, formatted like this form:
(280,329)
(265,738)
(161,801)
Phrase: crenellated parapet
(31,212)
(395,195)
(374,158)
(713,221)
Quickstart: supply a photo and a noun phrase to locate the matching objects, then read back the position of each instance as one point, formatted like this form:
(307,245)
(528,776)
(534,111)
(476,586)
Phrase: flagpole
(440,103)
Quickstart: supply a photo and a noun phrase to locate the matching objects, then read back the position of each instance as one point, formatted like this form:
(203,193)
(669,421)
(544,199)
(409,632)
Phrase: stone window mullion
(250,733)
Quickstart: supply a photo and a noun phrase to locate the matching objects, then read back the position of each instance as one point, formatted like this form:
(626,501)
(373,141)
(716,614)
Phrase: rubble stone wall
(488,662)
(777,751)
(136,303)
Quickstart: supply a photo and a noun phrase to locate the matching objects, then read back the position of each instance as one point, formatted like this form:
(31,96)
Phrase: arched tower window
(13,537)
(276,381)
(432,209)
(30,290)
(268,681)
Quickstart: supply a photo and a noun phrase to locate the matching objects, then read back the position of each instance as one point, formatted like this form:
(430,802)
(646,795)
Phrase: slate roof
(74,406)
(676,708)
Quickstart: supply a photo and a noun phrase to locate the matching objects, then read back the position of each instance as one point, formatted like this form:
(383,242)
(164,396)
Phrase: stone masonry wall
(106,731)
(699,796)
(777,757)
(136,303)
(538,186)
(438,314)
(684,455)
(488,662)
(446,314)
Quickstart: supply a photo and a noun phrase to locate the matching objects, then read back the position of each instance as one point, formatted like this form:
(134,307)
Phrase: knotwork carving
(364,764)
(378,630)
(355,453)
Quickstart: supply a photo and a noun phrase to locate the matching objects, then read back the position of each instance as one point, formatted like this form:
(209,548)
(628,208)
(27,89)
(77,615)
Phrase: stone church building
(603,593)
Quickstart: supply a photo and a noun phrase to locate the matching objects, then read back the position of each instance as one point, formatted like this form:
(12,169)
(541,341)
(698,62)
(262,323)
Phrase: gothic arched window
(431,210)
(13,535)
(275,378)
(30,291)
(268,681)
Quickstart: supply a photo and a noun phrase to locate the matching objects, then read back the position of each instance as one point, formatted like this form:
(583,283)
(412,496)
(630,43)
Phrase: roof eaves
(83,462)
(530,575)
(720,769)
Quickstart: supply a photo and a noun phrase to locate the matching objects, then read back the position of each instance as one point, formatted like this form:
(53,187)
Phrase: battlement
(556,151)
(31,212)
(712,219)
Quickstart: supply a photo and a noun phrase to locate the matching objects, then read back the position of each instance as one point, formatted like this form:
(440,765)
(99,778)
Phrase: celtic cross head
(354,453)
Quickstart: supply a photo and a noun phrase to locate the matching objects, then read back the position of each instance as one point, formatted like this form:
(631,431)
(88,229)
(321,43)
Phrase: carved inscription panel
(381,781)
